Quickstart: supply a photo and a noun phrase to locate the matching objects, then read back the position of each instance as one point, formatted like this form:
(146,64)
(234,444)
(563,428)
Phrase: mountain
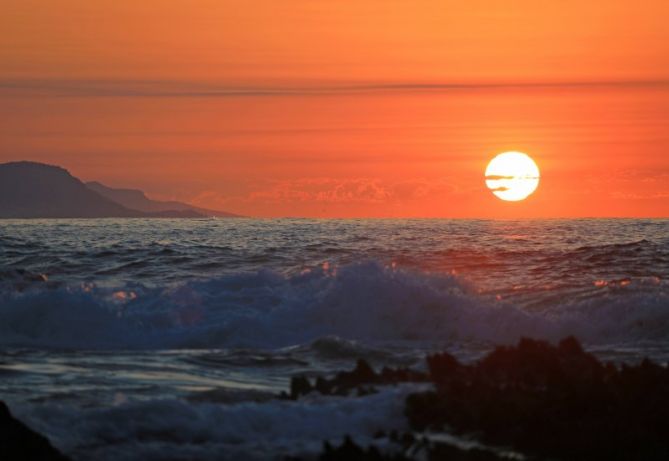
(136,200)
(37,190)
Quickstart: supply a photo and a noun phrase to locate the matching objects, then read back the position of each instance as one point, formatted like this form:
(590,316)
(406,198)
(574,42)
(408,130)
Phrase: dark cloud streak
(493,177)
(173,89)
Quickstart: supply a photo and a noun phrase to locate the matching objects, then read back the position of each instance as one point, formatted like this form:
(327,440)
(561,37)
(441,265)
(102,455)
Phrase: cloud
(622,195)
(325,190)
(636,184)
(167,88)
(495,177)
(332,190)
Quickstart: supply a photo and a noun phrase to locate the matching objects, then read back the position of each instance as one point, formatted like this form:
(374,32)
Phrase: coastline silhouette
(36,190)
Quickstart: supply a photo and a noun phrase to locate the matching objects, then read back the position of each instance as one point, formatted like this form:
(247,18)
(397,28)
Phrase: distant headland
(37,190)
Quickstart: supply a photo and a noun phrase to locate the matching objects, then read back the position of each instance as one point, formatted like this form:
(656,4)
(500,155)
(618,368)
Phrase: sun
(512,176)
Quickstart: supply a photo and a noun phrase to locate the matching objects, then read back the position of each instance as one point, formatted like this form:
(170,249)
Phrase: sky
(345,109)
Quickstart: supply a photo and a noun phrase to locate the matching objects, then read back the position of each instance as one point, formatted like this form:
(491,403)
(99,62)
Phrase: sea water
(169,339)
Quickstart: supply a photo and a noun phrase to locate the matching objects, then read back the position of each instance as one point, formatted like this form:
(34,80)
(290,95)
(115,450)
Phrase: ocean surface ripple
(205,320)
(274,283)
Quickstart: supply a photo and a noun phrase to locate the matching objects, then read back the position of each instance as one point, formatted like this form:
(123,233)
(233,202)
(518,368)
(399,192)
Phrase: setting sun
(512,176)
(268,218)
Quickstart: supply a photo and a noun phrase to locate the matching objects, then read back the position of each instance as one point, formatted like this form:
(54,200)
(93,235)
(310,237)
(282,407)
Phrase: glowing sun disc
(512,176)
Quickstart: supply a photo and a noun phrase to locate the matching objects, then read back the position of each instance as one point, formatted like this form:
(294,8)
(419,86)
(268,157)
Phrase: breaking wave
(365,301)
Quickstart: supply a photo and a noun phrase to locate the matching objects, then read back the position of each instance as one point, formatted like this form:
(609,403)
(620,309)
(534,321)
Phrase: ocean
(170,339)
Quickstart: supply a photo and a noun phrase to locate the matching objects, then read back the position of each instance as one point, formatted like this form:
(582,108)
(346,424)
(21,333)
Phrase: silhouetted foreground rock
(418,449)
(20,443)
(547,402)
(553,402)
(349,451)
(360,379)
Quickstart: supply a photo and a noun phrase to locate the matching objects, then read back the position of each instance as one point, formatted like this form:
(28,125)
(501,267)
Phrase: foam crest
(156,429)
(366,302)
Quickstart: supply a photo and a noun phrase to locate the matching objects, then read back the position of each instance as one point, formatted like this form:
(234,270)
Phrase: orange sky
(366,108)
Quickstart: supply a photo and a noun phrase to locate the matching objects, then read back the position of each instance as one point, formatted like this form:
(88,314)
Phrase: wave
(176,429)
(364,301)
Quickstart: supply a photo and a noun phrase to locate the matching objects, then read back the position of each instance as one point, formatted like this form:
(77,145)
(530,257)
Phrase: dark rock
(442,365)
(20,443)
(359,379)
(422,449)
(299,386)
(446,452)
(322,386)
(363,372)
(544,401)
(550,401)
(349,451)
(401,375)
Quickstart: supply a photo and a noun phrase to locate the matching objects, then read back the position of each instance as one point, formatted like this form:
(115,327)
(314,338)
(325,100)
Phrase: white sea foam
(174,429)
(366,301)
